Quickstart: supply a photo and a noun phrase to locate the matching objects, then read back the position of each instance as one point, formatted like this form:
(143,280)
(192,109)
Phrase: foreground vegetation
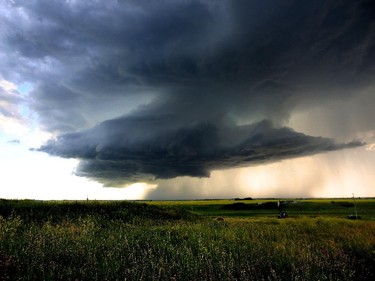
(164,241)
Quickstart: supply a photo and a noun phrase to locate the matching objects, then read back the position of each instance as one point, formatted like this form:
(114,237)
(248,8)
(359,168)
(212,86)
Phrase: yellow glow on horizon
(334,174)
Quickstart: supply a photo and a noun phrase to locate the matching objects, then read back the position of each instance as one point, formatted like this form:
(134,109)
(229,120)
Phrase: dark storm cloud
(55,99)
(183,76)
(134,149)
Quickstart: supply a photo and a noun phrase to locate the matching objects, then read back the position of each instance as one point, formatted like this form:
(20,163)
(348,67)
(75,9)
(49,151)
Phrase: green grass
(339,208)
(165,241)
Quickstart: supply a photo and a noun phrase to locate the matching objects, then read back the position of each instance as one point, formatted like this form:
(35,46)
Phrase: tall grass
(103,242)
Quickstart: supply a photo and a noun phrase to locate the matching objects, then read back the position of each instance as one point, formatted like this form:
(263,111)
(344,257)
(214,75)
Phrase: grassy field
(339,208)
(187,240)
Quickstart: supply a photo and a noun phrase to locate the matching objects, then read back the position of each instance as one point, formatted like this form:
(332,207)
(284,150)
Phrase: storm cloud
(141,90)
(128,150)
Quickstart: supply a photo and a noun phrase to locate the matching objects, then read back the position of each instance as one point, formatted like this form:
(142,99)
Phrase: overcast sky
(187,99)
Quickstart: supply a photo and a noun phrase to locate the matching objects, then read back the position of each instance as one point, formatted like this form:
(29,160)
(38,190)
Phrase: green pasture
(186,240)
(338,208)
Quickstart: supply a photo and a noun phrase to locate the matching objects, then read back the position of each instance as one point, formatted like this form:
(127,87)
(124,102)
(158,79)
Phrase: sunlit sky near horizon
(188,99)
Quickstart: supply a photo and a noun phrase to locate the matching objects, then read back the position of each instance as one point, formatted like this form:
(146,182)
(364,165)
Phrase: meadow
(187,240)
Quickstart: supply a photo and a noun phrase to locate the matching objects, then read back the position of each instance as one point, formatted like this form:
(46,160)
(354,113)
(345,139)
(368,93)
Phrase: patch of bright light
(24,88)
(7,85)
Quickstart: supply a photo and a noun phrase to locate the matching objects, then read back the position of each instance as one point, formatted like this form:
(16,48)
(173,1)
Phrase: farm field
(339,208)
(187,240)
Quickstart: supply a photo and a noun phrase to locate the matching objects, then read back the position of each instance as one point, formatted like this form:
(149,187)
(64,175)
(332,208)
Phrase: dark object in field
(239,206)
(354,217)
(346,204)
(244,206)
(219,219)
(282,215)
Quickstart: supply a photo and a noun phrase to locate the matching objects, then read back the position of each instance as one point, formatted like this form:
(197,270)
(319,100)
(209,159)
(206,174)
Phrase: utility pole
(355,208)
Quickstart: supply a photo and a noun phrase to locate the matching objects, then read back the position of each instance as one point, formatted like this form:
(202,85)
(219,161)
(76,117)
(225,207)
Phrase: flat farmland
(187,240)
(294,208)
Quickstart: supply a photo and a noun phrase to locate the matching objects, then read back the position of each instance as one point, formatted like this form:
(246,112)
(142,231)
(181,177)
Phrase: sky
(186,99)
